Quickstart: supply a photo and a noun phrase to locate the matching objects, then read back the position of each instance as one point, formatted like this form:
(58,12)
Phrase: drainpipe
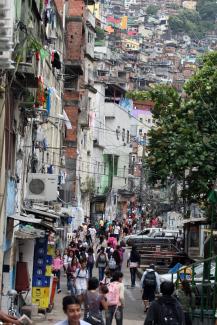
(2,185)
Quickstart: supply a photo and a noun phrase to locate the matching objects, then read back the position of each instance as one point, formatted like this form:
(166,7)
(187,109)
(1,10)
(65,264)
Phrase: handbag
(133,264)
(91,318)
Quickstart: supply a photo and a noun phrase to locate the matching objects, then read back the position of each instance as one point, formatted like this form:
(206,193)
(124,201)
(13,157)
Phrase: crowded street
(133,309)
(108,162)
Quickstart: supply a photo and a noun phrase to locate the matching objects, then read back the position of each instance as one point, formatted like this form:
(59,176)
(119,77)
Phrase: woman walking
(56,267)
(115,298)
(187,299)
(101,262)
(71,275)
(81,278)
(94,303)
(114,262)
(133,263)
(90,261)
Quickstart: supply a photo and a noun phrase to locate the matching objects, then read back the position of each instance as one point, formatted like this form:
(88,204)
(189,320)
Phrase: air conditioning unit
(42,187)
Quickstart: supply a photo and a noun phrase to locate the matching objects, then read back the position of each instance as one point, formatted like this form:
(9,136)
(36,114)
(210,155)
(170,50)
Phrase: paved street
(133,312)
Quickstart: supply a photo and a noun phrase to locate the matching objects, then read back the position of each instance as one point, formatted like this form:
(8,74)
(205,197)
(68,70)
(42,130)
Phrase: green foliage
(207,9)
(100,33)
(195,23)
(185,137)
(152,10)
(187,21)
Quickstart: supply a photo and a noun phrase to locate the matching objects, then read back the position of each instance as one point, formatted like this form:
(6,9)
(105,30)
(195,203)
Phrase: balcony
(26,75)
(119,182)
(90,19)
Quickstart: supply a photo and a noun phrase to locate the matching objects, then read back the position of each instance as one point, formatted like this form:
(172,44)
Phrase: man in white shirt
(117,230)
(93,234)
(72,309)
(81,276)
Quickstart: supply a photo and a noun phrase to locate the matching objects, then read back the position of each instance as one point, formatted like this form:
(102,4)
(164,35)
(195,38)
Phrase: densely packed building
(71,143)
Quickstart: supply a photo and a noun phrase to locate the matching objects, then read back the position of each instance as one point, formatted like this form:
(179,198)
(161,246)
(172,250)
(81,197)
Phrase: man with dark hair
(166,310)
(72,309)
(150,283)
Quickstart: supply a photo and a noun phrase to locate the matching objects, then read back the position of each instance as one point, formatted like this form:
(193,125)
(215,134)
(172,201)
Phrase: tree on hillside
(152,10)
(187,21)
(207,9)
(185,137)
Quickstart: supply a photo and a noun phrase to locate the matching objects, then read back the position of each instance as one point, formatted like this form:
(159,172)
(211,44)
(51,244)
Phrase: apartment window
(124,171)
(85,141)
(141,119)
(118,132)
(128,136)
(90,37)
(89,103)
(140,131)
(123,134)
(149,120)
(101,73)
(104,171)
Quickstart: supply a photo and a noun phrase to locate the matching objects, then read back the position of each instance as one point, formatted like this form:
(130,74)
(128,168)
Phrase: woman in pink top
(56,266)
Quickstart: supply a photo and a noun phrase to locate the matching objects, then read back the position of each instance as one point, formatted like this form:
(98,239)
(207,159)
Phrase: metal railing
(203,278)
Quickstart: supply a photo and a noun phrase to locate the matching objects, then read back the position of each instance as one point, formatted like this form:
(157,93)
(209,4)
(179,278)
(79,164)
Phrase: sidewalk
(133,311)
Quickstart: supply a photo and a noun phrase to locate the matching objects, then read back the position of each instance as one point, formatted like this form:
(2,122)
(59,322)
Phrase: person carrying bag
(94,303)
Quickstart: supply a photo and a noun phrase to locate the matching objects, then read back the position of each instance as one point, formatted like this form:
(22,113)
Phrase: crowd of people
(102,296)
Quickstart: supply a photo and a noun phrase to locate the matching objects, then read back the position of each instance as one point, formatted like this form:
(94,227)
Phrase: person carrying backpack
(101,262)
(81,278)
(90,261)
(166,310)
(187,300)
(114,262)
(115,298)
(150,284)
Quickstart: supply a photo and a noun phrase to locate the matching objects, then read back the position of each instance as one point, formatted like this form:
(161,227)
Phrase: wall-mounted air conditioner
(42,187)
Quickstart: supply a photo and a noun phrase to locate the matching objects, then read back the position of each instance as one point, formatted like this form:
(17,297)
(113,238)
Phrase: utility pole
(2,177)
(142,178)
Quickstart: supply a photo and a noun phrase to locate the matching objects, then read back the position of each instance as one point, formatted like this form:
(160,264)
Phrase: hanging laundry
(45,144)
(37,55)
(53,19)
(50,169)
(40,134)
(43,53)
(55,60)
(40,96)
(48,101)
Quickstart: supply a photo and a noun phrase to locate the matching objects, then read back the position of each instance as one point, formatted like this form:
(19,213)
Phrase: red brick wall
(71,107)
(75,7)
(59,4)
(74,40)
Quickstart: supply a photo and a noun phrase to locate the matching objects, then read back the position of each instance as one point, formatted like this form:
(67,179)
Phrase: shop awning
(43,214)
(195,220)
(29,232)
(29,219)
(26,218)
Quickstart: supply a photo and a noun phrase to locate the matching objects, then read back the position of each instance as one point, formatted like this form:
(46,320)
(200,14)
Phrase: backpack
(102,258)
(113,296)
(112,263)
(169,314)
(90,259)
(81,277)
(150,279)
